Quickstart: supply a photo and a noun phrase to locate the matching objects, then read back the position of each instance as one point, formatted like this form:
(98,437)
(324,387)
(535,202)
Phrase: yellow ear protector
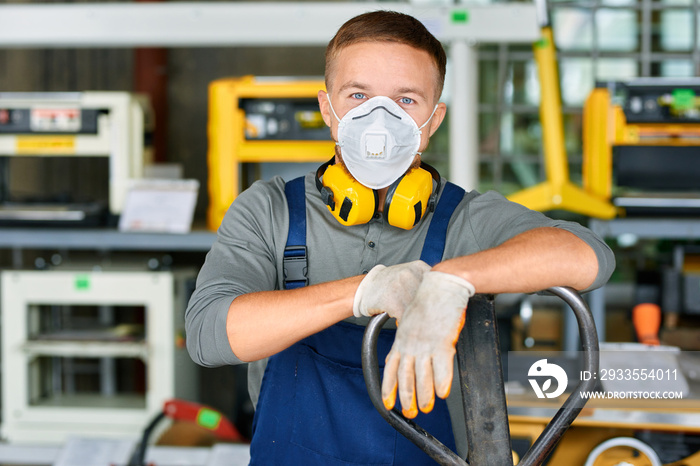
(351,203)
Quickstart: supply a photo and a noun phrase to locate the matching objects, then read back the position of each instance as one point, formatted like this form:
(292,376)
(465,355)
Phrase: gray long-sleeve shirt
(247,255)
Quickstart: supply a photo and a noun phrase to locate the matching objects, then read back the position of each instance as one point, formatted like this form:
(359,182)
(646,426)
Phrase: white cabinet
(91,352)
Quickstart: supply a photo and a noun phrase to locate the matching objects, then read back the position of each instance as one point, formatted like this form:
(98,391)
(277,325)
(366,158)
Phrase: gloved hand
(421,358)
(388,289)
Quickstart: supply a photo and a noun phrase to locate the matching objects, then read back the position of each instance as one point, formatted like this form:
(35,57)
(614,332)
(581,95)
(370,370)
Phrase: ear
(325,108)
(438,116)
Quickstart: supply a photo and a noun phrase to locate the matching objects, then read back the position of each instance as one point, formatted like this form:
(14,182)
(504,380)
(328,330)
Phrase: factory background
(597,42)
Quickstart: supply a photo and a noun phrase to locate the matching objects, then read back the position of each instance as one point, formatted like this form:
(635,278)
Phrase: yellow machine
(640,145)
(253,120)
(557,192)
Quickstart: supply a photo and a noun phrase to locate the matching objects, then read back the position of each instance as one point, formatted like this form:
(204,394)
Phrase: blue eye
(358,95)
(406,100)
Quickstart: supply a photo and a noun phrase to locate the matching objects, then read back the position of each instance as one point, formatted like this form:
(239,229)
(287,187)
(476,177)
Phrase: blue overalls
(313,407)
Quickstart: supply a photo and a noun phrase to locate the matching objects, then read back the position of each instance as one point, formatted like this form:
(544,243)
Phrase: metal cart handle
(552,433)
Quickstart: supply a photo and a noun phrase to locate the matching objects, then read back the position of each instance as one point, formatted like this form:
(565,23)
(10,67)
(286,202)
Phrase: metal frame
(557,192)
(483,390)
(207,24)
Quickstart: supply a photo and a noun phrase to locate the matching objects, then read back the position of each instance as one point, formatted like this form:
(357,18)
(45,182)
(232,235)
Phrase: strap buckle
(295,267)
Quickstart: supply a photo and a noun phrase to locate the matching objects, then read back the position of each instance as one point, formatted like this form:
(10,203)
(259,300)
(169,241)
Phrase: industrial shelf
(84,349)
(103,239)
(90,402)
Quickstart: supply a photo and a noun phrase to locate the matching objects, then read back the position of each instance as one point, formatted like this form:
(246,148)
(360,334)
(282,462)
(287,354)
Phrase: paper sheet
(95,452)
(156,205)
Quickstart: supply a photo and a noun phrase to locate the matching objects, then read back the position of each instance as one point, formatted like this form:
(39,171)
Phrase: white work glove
(388,289)
(421,358)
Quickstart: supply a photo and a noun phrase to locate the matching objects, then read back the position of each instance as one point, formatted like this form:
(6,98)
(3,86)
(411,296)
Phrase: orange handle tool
(647,322)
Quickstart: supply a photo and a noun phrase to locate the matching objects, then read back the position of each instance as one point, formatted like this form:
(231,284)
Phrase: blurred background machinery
(92,353)
(261,121)
(641,140)
(66,157)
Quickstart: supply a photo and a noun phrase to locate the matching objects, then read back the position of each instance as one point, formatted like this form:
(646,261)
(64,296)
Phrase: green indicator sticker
(542,43)
(683,99)
(460,16)
(82,282)
(208,418)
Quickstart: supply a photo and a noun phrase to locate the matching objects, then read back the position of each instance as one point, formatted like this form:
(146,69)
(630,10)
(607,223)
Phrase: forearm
(261,324)
(529,262)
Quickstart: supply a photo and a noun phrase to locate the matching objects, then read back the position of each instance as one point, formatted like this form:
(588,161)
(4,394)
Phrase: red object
(204,416)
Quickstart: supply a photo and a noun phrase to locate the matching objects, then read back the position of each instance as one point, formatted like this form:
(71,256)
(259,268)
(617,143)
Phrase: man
(384,76)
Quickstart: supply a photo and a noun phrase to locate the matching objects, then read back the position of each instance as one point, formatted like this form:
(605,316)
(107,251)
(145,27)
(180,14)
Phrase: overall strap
(434,245)
(294,262)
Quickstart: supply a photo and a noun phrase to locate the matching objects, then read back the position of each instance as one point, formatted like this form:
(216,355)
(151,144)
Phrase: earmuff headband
(326,193)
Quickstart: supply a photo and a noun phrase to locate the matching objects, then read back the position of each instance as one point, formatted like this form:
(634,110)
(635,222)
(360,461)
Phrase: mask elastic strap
(429,118)
(334,114)
(331,105)
(427,121)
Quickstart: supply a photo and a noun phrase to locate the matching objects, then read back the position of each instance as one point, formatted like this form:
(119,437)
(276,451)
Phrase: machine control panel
(284,119)
(660,102)
(47,120)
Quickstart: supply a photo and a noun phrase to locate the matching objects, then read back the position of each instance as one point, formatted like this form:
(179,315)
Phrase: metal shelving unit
(103,239)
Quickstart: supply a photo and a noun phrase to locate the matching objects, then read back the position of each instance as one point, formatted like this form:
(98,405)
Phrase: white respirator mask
(378,141)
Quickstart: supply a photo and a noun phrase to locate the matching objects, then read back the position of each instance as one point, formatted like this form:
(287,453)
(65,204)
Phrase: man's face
(398,71)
